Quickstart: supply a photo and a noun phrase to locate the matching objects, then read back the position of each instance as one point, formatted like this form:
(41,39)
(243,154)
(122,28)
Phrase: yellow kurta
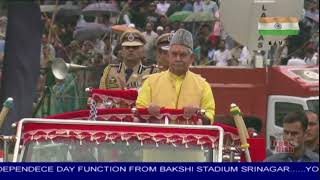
(165,89)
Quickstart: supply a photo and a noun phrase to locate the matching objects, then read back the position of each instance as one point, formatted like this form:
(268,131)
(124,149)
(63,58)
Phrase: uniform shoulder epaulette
(111,66)
(117,66)
(152,68)
(114,65)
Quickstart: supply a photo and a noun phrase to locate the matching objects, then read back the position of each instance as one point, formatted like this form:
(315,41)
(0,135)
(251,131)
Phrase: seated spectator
(163,21)
(204,52)
(160,30)
(182,5)
(198,6)
(150,37)
(210,6)
(86,54)
(152,15)
(309,57)
(222,56)
(296,62)
(240,55)
(73,50)
(312,138)
(167,29)
(162,7)
(214,40)
(281,53)
(187,6)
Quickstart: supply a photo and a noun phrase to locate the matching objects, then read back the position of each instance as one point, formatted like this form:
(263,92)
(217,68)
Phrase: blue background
(297,173)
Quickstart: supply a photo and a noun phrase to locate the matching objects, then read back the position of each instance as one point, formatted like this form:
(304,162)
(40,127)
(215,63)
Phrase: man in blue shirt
(294,132)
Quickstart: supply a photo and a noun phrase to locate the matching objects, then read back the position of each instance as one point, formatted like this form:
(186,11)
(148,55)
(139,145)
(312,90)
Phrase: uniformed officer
(129,73)
(162,44)
(162,47)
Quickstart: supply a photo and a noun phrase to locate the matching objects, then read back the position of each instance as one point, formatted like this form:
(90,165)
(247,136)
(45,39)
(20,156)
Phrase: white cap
(160,28)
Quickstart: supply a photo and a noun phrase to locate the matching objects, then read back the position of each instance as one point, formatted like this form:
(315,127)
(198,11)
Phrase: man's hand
(204,121)
(189,111)
(154,110)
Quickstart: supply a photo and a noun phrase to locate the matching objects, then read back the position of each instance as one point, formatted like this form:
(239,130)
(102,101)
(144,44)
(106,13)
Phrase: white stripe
(264,1)
(284,26)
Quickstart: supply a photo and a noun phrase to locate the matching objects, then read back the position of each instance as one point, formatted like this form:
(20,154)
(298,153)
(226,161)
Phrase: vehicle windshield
(76,151)
(313,105)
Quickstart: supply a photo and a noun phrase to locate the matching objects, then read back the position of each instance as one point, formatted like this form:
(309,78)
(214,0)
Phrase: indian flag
(278,26)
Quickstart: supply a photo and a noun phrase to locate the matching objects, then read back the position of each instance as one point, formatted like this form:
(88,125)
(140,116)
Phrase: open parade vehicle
(107,132)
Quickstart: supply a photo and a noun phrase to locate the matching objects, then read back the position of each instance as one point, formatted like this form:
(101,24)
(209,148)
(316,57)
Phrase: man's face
(159,32)
(167,29)
(222,45)
(162,58)
(152,8)
(183,1)
(294,134)
(132,54)
(205,29)
(309,55)
(44,39)
(87,46)
(46,51)
(180,58)
(312,132)
(149,27)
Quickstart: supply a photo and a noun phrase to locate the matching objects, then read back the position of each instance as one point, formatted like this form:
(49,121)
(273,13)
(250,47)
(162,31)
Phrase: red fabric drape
(125,94)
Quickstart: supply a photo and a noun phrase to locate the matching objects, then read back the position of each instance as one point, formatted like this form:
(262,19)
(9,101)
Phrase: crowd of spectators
(213,46)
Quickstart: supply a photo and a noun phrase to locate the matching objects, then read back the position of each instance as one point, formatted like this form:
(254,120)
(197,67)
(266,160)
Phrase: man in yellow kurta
(178,88)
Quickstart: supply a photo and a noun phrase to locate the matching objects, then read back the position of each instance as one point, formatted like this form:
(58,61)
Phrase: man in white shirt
(296,62)
(150,37)
(245,57)
(240,55)
(198,6)
(210,6)
(222,56)
(310,57)
(162,7)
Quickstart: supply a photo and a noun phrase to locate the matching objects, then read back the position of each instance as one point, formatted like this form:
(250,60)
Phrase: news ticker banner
(310,170)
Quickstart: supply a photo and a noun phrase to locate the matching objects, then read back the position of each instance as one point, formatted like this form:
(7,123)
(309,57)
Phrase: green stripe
(278,32)
(8,103)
